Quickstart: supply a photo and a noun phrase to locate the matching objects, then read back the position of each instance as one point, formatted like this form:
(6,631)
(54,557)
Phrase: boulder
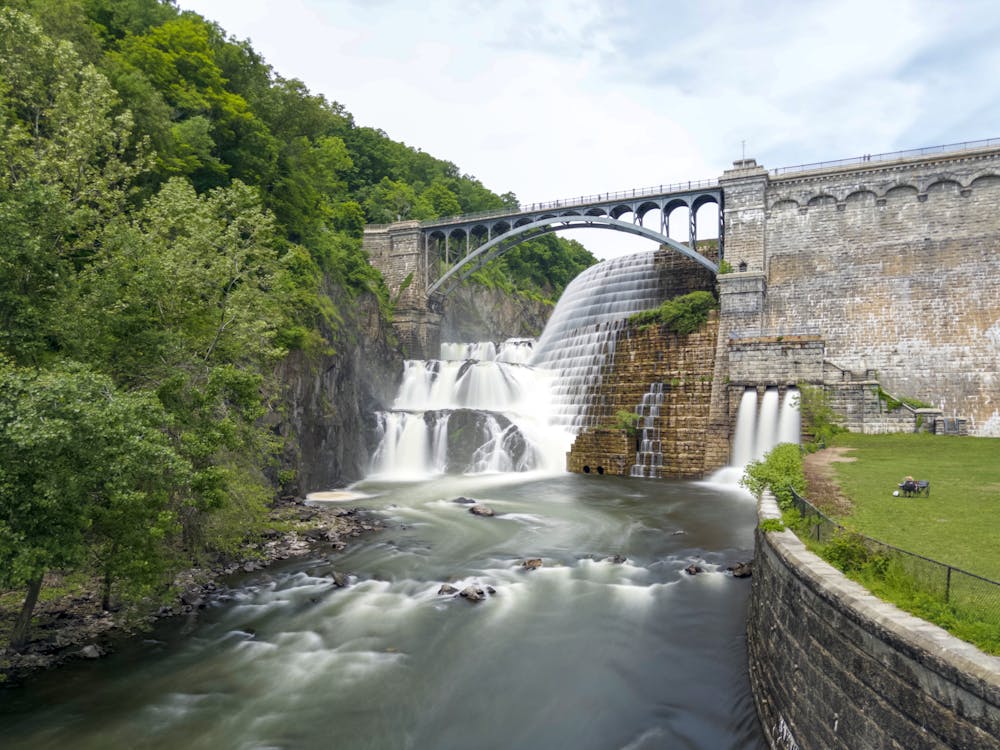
(693,569)
(472,593)
(447,590)
(340,580)
(91,651)
(532,563)
(464,501)
(741,569)
(481,510)
(617,559)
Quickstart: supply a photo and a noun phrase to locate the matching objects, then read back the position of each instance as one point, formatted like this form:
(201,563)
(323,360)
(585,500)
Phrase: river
(585,652)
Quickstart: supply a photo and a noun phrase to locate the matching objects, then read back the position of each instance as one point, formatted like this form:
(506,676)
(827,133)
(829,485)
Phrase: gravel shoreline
(75,627)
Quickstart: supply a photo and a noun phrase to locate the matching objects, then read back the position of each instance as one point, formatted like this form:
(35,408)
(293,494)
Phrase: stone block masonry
(832,666)
(894,264)
(643,356)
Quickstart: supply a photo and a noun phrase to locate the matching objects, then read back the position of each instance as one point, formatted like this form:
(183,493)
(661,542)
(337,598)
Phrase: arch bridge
(453,248)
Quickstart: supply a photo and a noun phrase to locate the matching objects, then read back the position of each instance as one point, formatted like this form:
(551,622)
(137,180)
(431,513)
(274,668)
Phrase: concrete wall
(893,264)
(832,666)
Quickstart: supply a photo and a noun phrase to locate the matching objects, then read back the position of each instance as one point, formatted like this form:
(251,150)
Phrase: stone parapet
(832,666)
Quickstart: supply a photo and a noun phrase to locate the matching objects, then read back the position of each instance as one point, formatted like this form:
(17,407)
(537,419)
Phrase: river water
(604,643)
(583,652)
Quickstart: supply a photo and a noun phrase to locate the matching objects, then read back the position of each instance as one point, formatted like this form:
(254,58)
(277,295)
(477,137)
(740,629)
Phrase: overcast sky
(553,99)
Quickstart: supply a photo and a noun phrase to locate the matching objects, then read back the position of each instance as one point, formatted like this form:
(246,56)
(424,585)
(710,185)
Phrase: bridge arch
(522,232)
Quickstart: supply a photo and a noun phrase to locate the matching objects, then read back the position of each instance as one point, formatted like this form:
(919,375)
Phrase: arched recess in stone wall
(785,204)
(861,198)
(985,180)
(901,193)
(823,199)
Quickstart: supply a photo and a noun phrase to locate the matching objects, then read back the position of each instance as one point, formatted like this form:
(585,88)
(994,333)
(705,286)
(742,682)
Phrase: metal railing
(967,594)
(582,200)
(891,156)
(677,187)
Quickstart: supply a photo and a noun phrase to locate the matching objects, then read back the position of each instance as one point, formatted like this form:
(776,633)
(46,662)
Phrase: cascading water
(649,456)
(758,431)
(579,338)
(477,409)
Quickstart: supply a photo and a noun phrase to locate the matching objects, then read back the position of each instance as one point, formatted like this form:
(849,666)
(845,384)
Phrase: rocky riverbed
(74,626)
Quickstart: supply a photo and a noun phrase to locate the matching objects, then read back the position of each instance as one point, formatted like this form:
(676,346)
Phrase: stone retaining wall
(684,365)
(832,666)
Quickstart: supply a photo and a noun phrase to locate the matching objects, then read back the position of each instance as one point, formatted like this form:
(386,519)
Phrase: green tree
(66,165)
(178,60)
(85,470)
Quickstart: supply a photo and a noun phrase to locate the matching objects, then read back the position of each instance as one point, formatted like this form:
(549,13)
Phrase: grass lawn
(959,524)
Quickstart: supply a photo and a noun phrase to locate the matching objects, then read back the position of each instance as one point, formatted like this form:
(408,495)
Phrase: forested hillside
(177,223)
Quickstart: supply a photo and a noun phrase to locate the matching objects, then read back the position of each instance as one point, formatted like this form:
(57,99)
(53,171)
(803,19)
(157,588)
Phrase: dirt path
(821,489)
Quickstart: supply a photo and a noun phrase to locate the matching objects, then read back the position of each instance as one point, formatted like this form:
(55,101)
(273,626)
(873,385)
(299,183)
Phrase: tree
(83,467)
(66,163)
(178,59)
(184,300)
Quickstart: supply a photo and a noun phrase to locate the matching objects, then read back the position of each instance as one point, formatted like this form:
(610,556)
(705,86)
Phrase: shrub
(771,524)
(779,472)
(823,422)
(628,421)
(682,315)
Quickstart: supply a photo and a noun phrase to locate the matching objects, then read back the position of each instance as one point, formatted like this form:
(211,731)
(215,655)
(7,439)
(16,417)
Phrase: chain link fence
(971,597)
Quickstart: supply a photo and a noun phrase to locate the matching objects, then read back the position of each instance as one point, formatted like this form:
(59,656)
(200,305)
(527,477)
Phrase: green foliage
(894,404)
(546,264)
(771,524)
(628,421)
(725,266)
(818,416)
(87,475)
(682,315)
(780,471)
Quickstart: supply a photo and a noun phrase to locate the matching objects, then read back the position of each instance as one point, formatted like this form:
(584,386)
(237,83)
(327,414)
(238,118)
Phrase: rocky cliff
(477,313)
(329,401)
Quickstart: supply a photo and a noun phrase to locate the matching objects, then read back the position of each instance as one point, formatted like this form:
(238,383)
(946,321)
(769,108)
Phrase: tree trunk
(106,592)
(20,635)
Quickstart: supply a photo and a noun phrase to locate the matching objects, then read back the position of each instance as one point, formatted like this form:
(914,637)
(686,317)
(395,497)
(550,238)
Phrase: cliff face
(327,414)
(475,313)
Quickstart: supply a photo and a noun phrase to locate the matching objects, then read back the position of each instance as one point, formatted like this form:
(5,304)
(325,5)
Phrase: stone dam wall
(832,666)
(682,367)
(893,264)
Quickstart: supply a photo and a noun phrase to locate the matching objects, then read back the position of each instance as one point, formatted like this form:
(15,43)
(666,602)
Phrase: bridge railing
(582,200)
(891,156)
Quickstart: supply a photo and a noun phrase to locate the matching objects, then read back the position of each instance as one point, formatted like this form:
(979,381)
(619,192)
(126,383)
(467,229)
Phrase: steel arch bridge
(480,238)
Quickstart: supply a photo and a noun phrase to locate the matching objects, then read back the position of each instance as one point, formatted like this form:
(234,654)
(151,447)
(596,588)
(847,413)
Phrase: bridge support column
(400,253)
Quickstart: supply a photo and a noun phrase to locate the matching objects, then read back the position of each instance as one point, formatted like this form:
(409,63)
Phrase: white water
(760,430)
(521,403)
(579,338)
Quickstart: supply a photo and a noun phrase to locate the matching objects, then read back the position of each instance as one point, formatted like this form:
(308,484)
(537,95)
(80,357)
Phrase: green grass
(956,525)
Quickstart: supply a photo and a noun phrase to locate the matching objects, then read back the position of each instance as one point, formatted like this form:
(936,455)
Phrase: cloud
(569,97)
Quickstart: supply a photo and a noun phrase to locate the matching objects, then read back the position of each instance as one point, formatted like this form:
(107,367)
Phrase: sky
(553,99)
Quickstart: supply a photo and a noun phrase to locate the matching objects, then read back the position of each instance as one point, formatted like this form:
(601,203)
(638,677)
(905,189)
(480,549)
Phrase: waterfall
(758,431)
(516,406)
(579,338)
(477,409)
(649,456)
